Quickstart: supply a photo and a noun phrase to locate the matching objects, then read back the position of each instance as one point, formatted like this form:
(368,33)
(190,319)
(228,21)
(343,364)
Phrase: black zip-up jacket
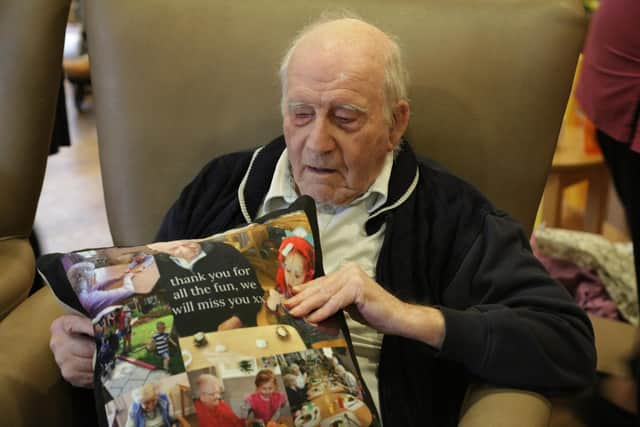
(507,322)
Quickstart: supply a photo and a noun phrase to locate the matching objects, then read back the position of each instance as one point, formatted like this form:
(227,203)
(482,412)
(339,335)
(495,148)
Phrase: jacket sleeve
(508,322)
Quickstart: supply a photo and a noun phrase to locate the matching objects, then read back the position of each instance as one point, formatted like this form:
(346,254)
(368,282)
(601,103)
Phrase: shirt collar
(186,264)
(282,188)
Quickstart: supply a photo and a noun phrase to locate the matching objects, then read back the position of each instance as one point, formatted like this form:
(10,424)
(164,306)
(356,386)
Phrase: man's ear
(400,121)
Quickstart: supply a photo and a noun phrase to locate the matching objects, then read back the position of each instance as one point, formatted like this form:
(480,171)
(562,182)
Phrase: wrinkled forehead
(341,50)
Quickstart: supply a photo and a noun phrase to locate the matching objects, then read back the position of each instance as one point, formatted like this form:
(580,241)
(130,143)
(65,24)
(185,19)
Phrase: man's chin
(331,197)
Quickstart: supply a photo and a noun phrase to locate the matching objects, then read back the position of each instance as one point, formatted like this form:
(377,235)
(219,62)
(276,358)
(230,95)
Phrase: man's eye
(302,116)
(344,119)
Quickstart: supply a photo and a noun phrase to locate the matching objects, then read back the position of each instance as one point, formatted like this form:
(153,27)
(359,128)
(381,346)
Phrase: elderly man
(445,283)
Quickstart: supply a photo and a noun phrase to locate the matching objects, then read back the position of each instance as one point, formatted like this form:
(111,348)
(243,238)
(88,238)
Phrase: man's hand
(73,348)
(350,287)
(233,322)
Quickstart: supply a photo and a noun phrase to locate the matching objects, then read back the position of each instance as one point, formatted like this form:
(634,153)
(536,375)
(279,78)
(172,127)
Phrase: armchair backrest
(31,44)
(177,83)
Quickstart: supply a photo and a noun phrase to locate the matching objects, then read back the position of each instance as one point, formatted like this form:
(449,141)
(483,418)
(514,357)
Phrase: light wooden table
(240,343)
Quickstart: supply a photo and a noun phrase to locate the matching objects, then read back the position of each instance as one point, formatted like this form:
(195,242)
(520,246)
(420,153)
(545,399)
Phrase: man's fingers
(77,325)
(311,284)
(82,348)
(309,299)
(337,302)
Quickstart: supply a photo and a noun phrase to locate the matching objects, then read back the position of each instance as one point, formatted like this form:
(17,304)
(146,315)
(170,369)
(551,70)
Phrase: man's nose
(321,139)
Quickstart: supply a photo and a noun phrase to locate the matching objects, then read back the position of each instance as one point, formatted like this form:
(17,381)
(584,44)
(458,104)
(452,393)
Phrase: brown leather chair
(490,82)
(31,44)
(177,83)
(31,40)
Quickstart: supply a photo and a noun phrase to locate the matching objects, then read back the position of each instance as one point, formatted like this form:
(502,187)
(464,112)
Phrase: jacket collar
(256,182)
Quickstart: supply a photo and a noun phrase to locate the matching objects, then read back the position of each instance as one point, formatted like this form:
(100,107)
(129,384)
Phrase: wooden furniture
(572,165)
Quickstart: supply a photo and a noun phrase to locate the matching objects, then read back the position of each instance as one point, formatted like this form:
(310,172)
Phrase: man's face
(210,394)
(185,250)
(334,125)
(160,327)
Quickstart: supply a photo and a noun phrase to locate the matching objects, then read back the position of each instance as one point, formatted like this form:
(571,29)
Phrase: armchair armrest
(32,391)
(17,265)
(487,406)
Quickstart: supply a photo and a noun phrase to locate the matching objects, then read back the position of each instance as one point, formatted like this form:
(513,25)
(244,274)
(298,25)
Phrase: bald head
(354,44)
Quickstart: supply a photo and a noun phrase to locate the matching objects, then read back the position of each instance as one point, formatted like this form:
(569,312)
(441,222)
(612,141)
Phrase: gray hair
(289,380)
(209,379)
(396,77)
(146,392)
(80,275)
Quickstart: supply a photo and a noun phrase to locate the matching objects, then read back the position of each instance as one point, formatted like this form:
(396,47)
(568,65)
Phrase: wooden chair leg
(552,201)
(597,196)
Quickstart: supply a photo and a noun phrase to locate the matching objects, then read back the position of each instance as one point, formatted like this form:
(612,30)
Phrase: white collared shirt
(188,265)
(343,238)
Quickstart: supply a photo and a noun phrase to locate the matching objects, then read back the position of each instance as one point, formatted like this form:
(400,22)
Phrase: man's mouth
(320,171)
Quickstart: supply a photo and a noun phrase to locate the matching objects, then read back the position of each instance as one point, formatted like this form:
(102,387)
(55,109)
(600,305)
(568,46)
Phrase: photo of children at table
(331,393)
(266,402)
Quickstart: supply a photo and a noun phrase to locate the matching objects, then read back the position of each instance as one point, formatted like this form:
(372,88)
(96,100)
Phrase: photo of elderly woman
(240,392)
(211,409)
(96,296)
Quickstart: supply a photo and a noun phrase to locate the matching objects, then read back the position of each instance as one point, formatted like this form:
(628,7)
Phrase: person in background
(297,396)
(301,378)
(608,93)
(124,326)
(348,379)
